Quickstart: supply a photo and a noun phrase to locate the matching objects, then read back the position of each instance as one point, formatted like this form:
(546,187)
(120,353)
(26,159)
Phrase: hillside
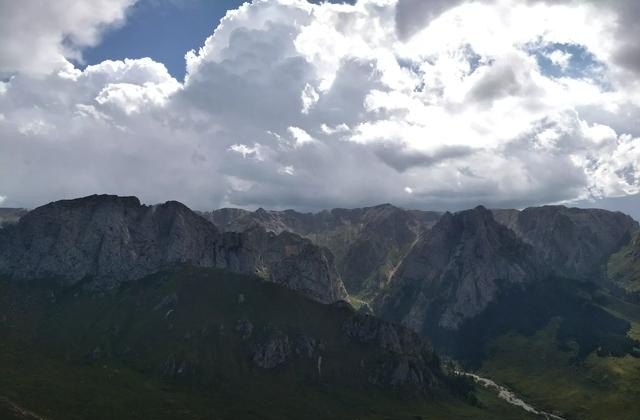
(623,268)
(93,282)
(209,344)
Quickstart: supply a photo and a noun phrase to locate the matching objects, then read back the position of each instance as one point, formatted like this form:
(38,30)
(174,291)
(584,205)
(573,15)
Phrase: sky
(430,104)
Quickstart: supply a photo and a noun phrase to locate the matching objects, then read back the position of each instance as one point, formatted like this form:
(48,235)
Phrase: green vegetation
(57,390)
(167,348)
(583,323)
(623,268)
(553,374)
(566,346)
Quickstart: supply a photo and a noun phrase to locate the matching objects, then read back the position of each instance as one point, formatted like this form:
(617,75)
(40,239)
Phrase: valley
(367,312)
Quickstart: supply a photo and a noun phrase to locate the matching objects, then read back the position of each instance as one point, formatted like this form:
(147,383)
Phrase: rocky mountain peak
(105,240)
(367,243)
(455,271)
(574,242)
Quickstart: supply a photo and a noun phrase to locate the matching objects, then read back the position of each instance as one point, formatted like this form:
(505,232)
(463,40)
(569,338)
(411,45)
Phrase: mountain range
(346,298)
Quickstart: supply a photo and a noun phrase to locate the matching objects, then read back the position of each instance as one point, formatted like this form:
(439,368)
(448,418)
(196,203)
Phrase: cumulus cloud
(37,36)
(312,105)
(560,58)
(414,15)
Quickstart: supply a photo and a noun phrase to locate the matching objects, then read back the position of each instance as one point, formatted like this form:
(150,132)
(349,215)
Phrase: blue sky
(163,30)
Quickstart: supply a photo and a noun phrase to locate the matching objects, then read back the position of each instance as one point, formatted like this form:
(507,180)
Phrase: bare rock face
(9,216)
(105,237)
(368,243)
(456,271)
(287,259)
(387,336)
(105,240)
(274,351)
(574,242)
(410,358)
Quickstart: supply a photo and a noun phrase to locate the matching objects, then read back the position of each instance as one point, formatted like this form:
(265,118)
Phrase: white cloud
(247,151)
(288,170)
(300,136)
(38,36)
(309,98)
(560,58)
(289,104)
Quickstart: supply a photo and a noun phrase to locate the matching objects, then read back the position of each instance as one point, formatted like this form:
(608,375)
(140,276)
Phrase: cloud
(403,159)
(294,104)
(414,15)
(560,58)
(300,136)
(39,36)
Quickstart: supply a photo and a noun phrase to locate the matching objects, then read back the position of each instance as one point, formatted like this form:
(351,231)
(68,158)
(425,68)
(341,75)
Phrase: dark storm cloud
(402,159)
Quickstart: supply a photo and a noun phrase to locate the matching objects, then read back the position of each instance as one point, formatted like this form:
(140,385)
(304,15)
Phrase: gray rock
(453,273)
(305,347)
(106,240)
(574,242)
(367,329)
(286,259)
(244,327)
(368,243)
(408,359)
(274,351)
(10,216)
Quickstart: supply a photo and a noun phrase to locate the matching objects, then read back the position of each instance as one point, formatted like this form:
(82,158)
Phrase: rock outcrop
(274,351)
(105,240)
(411,361)
(455,271)
(285,258)
(367,243)
(574,243)
(10,215)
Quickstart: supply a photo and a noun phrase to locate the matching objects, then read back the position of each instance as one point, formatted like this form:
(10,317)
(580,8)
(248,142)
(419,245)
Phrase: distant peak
(172,204)
(97,199)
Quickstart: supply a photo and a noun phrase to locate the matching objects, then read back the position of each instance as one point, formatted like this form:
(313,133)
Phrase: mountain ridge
(465,281)
(104,240)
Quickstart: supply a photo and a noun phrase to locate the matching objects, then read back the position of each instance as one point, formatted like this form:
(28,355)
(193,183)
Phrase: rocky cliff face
(107,239)
(574,242)
(284,258)
(445,274)
(368,243)
(456,271)
(10,216)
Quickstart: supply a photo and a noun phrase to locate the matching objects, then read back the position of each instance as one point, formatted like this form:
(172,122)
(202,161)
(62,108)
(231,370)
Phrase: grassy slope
(624,267)
(44,366)
(590,388)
